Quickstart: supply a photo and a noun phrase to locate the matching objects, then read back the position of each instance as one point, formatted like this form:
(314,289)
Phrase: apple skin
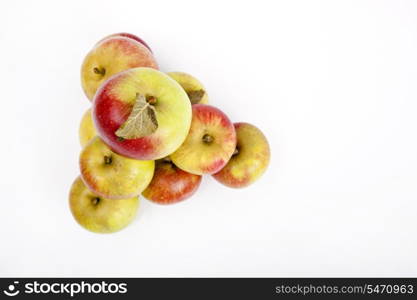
(113,104)
(113,176)
(127,35)
(170,184)
(97,214)
(110,57)
(190,84)
(250,160)
(86,130)
(199,154)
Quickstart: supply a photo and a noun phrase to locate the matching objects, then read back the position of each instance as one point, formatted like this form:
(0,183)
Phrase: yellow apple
(98,214)
(210,142)
(111,56)
(249,160)
(111,175)
(86,130)
(192,86)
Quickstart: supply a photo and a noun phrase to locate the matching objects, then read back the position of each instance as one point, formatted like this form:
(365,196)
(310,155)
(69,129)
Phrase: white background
(333,85)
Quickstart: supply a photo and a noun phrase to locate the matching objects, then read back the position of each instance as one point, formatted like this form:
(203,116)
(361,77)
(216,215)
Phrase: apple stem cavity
(151,100)
(99,71)
(95,200)
(208,139)
(107,160)
(166,160)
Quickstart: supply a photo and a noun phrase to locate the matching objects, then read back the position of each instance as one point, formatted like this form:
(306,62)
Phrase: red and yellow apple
(170,184)
(250,159)
(111,56)
(86,130)
(210,142)
(98,214)
(192,86)
(111,175)
(127,35)
(142,113)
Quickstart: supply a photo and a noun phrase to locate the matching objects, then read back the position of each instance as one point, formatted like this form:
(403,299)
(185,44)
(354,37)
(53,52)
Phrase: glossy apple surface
(86,130)
(111,175)
(114,103)
(98,214)
(192,86)
(170,184)
(210,143)
(250,160)
(110,57)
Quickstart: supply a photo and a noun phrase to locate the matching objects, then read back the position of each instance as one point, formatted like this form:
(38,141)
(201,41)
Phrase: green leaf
(141,121)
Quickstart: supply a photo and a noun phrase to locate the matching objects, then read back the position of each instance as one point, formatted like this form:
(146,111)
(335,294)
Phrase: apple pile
(151,133)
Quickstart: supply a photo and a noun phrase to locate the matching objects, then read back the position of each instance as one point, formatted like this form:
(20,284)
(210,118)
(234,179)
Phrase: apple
(142,113)
(111,175)
(98,214)
(110,57)
(127,35)
(170,184)
(194,88)
(209,144)
(86,130)
(250,159)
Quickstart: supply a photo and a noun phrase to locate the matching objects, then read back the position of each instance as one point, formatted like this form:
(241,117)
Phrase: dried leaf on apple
(141,121)
(196,96)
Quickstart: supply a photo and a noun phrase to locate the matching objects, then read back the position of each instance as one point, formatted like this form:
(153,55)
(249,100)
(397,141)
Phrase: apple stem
(100,71)
(107,160)
(95,200)
(208,139)
(166,159)
(235,152)
(151,100)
